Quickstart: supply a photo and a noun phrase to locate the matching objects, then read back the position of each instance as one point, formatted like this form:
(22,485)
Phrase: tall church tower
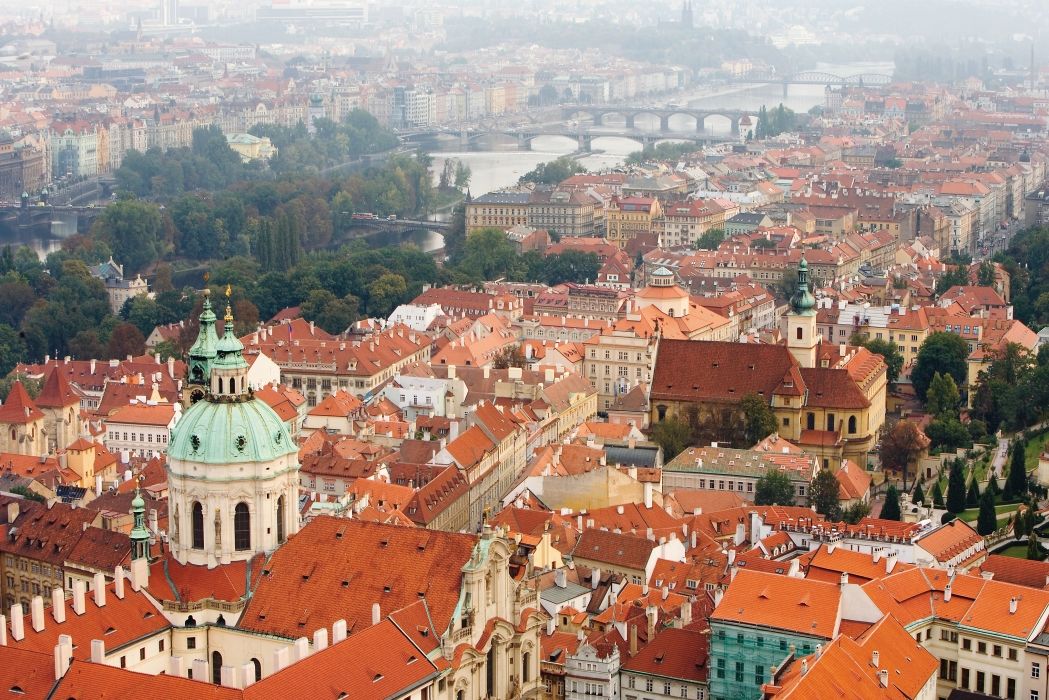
(233,469)
(201,355)
(802,334)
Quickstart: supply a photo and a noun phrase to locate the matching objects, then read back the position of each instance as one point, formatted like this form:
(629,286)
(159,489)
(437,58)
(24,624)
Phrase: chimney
(1012,605)
(550,626)
(100,590)
(79,593)
(92,366)
(17,623)
(804,666)
(731,557)
(665,593)
(947,593)
(487,371)
(12,512)
(118,582)
(280,659)
(648,494)
(175,667)
(58,605)
(875,658)
(686,614)
(228,677)
(633,640)
(36,613)
(883,678)
(63,655)
(595,578)
(844,579)
(560,578)
(3,631)
(139,574)
(98,651)
(171,365)
(199,669)
(651,613)
(300,649)
(320,639)
(338,631)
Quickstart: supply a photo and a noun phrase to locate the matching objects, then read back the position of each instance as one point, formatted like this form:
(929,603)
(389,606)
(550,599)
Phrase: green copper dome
(229,351)
(803,303)
(220,431)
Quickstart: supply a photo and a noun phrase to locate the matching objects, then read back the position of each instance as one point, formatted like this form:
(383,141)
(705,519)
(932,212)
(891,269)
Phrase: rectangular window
(981,681)
(997,650)
(1036,669)
(759,674)
(191,642)
(1012,655)
(996,684)
(981,647)
(1010,688)
(965,678)
(721,668)
(739,671)
(142,654)
(967,643)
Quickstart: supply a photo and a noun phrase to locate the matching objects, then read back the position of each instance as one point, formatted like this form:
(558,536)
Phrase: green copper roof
(214,431)
(803,303)
(204,345)
(229,350)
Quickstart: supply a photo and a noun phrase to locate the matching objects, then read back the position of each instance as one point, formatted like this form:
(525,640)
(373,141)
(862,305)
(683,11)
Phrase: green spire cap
(803,303)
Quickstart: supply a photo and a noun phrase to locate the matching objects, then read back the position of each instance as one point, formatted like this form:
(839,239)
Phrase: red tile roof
(1022,572)
(674,653)
(799,605)
(620,549)
(56,392)
(18,408)
(333,569)
(88,681)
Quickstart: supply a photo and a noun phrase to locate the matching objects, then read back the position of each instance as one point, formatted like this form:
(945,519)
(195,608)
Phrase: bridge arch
(695,117)
(720,123)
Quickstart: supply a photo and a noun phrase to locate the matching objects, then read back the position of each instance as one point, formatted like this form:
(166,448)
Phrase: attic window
(378,677)
(17,690)
(386,588)
(411,660)
(345,584)
(383,543)
(110,630)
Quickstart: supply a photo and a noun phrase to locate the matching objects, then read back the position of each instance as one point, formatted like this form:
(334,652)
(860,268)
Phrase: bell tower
(201,356)
(802,334)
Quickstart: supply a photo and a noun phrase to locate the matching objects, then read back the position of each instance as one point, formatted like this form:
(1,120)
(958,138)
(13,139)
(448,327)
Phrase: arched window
(216,668)
(799,332)
(526,664)
(241,527)
(258,669)
(280,519)
(198,525)
(852,425)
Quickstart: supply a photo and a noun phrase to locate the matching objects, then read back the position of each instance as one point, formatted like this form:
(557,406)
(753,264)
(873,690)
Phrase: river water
(496,162)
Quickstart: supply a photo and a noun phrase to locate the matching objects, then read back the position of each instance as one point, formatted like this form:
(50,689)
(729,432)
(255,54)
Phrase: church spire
(202,354)
(803,303)
(139,533)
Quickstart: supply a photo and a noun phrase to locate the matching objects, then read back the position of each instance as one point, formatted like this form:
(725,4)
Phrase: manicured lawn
(972,514)
(1017,550)
(1035,447)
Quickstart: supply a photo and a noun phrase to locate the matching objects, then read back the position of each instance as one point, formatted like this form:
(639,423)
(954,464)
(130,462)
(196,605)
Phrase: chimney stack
(36,613)
(98,651)
(79,595)
(875,658)
(338,631)
(844,579)
(633,640)
(17,623)
(118,582)
(3,631)
(100,590)
(320,639)
(376,614)
(883,678)
(1012,605)
(58,605)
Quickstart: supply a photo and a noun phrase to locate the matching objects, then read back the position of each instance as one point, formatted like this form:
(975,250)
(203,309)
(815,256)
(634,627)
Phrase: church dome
(221,432)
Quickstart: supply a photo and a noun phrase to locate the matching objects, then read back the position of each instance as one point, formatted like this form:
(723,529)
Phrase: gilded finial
(229,290)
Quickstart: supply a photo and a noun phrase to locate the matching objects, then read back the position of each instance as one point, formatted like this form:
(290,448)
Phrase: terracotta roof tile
(18,408)
(332,569)
(800,605)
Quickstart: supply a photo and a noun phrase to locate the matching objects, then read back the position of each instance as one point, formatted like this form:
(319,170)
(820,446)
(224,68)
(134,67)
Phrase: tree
(711,239)
(488,255)
(1034,549)
(32,386)
(823,494)
(948,433)
(987,521)
(673,435)
(955,488)
(941,352)
(554,171)
(889,352)
(759,418)
(919,495)
(385,293)
(509,356)
(890,510)
(972,495)
(1016,481)
(773,488)
(901,446)
(856,512)
(12,349)
(937,495)
(330,312)
(126,340)
(992,484)
(462,175)
(942,397)
(135,230)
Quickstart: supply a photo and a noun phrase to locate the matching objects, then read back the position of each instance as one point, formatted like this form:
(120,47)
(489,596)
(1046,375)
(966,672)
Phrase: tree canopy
(774,488)
(888,350)
(890,510)
(941,352)
(823,494)
(554,171)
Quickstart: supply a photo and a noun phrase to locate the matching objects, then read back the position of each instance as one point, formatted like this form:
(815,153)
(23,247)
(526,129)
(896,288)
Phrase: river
(496,162)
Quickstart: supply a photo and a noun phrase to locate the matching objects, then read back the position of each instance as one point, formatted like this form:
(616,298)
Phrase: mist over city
(491,350)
